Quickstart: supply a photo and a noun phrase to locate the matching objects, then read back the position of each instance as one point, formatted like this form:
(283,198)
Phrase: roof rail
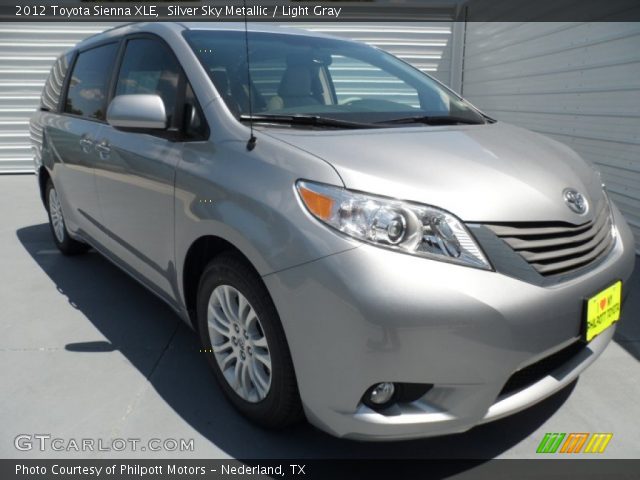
(110,29)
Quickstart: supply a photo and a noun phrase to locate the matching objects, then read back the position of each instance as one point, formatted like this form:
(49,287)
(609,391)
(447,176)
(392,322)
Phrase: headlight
(410,228)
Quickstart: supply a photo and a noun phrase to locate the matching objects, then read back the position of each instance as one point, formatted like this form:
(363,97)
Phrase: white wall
(576,82)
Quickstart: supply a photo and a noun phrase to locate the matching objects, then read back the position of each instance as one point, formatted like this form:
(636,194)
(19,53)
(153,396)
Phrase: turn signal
(320,205)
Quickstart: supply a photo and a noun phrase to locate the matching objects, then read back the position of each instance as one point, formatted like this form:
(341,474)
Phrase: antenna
(251,144)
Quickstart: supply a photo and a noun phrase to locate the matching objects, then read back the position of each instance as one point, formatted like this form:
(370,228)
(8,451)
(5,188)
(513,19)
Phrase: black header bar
(322,11)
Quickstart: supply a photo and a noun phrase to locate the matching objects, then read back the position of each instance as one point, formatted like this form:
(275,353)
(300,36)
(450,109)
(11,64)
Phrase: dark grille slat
(538,231)
(573,263)
(552,248)
(504,231)
(564,252)
(587,233)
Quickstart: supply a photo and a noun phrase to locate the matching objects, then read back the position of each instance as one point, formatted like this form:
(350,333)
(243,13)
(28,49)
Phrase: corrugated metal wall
(27,51)
(576,82)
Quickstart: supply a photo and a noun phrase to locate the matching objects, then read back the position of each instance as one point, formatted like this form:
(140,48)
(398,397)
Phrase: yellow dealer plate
(603,309)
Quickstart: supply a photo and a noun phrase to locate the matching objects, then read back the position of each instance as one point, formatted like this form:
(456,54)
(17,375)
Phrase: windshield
(298,75)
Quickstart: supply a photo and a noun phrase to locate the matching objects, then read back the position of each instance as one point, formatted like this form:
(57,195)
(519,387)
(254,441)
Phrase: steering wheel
(350,101)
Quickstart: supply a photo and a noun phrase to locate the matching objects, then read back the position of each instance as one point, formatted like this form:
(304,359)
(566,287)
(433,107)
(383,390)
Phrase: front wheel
(244,343)
(61,237)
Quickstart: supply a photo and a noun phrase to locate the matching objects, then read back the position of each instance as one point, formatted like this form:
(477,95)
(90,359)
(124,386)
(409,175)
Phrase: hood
(480,173)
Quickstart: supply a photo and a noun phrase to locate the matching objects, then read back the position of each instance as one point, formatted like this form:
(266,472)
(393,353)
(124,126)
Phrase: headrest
(296,82)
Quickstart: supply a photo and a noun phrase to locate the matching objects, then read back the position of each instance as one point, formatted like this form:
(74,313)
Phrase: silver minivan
(351,240)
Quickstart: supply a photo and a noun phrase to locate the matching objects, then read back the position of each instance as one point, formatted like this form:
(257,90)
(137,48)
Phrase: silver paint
(137,111)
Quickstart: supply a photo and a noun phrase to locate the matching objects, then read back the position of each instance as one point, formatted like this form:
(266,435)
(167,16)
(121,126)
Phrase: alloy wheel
(239,344)
(55,211)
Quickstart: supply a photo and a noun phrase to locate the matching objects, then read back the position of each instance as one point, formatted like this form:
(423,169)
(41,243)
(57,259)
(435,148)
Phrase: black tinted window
(150,67)
(87,93)
(53,87)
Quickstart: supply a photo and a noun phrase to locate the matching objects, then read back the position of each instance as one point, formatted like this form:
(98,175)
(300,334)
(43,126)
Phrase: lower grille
(537,371)
(557,247)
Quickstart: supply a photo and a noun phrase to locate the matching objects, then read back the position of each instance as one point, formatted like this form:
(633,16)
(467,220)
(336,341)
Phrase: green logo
(573,442)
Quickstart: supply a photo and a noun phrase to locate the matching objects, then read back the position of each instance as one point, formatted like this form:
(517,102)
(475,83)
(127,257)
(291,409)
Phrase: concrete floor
(86,352)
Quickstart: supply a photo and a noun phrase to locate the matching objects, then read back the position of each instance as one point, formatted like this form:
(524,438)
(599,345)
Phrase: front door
(135,172)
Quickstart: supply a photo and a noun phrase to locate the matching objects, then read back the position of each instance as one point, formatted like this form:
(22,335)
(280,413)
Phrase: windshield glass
(299,75)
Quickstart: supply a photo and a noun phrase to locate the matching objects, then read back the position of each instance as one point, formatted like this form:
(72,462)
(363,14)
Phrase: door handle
(103,149)
(85,144)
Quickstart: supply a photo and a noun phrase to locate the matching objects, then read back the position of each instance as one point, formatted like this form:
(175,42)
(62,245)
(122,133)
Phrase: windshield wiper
(313,120)
(433,120)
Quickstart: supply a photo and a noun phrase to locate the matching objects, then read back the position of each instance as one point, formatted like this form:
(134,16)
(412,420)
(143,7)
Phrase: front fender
(248,199)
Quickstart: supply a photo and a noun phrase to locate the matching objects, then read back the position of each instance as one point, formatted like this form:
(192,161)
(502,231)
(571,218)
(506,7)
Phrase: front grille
(557,247)
(534,373)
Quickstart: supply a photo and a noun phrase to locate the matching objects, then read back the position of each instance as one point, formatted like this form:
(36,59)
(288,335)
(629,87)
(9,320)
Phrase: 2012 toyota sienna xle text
(351,240)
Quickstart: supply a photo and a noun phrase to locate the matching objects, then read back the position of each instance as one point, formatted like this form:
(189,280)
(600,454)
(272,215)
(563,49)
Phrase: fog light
(381,393)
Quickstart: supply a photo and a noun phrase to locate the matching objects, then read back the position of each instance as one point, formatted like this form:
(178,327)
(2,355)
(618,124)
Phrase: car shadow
(130,318)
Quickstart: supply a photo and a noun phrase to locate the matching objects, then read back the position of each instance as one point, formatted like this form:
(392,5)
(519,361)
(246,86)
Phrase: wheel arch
(43,178)
(200,253)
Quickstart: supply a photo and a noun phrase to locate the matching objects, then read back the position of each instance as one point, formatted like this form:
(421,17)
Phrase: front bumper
(369,315)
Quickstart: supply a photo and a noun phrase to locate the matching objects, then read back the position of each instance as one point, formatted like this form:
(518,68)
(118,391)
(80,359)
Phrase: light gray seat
(296,88)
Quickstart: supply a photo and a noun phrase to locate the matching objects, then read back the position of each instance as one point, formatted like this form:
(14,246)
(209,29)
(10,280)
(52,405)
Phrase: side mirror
(137,112)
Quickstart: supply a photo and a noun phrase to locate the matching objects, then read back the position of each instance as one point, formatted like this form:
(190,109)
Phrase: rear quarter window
(53,87)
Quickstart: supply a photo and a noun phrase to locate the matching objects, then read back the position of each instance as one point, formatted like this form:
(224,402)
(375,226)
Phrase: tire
(225,280)
(66,244)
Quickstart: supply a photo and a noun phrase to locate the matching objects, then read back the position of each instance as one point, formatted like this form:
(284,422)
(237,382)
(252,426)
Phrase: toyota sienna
(352,241)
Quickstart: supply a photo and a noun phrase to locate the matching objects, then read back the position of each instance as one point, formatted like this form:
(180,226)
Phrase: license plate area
(602,310)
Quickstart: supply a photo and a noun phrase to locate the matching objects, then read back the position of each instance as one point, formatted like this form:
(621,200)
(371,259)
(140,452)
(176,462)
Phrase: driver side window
(149,67)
